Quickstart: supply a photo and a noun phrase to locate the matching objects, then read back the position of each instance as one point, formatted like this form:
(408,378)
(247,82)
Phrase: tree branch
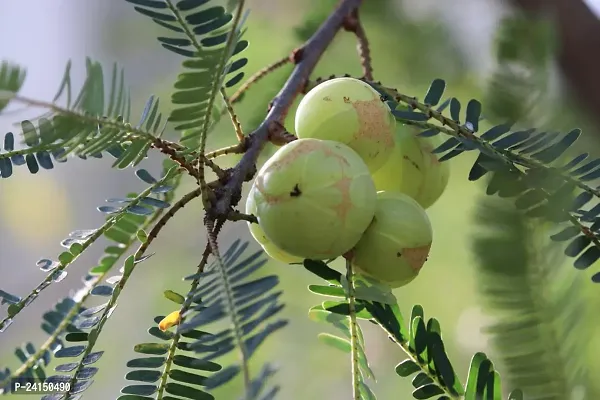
(305,59)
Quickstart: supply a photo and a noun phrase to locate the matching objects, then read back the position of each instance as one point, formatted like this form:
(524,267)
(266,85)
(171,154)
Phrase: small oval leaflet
(113,280)
(435,92)
(145,176)
(72,351)
(46,265)
(473,114)
(222,377)
(577,245)
(108,209)
(566,234)
(140,390)
(59,275)
(151,348)
(102,290)
(155,202)
(139,210)
(455,109)
(589,257)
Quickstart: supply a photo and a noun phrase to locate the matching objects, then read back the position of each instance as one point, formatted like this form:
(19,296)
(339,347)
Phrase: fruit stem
(353,331)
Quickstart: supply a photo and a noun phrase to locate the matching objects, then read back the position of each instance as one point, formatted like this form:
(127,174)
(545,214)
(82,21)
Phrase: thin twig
(352,24)
(237,148)
(234,119)
(258,76)
(238,216)
(280,136)
(353,331)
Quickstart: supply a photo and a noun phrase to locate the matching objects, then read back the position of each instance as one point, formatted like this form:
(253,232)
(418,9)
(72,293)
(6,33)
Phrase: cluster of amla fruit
(352,184)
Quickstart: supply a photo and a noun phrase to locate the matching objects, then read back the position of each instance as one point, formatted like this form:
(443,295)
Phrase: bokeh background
(412,42)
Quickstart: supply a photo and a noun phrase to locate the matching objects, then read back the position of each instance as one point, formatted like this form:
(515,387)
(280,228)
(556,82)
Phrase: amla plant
(314,198)
(395,246)
(348,111)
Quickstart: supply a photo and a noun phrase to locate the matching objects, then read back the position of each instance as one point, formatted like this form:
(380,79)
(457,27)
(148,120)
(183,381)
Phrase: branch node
(278,135)
(296,55)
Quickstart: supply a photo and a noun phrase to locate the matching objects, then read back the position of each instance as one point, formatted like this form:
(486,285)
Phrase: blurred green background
(412,42)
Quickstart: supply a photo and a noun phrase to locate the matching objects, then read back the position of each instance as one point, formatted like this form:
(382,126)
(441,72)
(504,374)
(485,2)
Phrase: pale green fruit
(413,170)
(314,198)
(395,246)
(349,111)
(255,230)
(404,171)
(259,235)
(437,173)
(277,254)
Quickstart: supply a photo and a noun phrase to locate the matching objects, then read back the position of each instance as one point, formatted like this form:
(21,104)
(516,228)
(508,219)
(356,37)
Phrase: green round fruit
(404,172)
(413,170)
(348,111)
(277,254)
(314,198)
(259,235)
(437,173)
(255,230)
(395,246)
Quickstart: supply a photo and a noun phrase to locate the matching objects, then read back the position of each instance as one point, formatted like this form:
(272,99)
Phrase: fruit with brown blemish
(412,169)
(348,111)
(259,235)
(314,198)
(395,246)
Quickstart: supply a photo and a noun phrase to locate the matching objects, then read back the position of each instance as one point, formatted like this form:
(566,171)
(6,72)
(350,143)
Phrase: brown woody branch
(305,59)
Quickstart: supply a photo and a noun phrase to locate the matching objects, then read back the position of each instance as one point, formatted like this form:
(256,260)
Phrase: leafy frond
(421,341)
(70,321)
(170,352)
(91,124)
(34,361)
(122,221)
(343,315)
(536,305)
(209,37)
(525,164)
(36,156)
(11,79)
(250,305)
